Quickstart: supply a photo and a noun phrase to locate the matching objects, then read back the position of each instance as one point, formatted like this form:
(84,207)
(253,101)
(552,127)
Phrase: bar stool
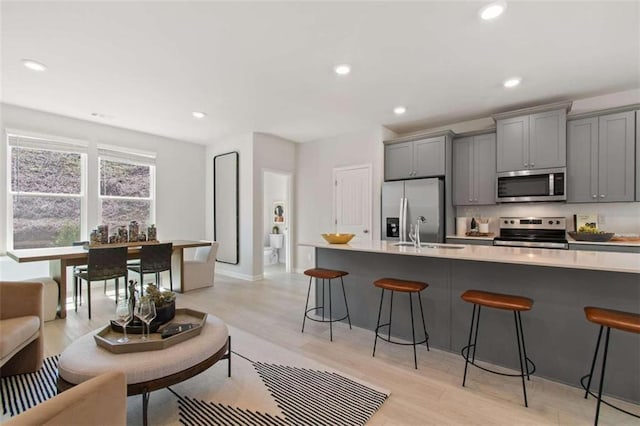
(508,302)
(325,274)
(624,321)
(403,286)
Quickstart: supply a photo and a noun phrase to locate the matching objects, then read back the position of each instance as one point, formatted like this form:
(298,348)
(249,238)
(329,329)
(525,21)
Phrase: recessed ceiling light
(492,10)
(512,82)
(34,65)
(198,114)
(399,110)
(342,69)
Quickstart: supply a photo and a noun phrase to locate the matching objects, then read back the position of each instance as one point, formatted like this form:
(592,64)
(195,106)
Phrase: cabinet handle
(601,195)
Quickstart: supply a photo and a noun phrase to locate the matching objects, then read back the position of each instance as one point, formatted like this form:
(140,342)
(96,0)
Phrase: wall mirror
(225,207)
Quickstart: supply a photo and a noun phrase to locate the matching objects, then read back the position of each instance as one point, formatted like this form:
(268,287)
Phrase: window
(127,187)
(47,198)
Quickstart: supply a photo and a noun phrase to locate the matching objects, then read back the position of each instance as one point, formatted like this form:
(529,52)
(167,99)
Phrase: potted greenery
(165,302)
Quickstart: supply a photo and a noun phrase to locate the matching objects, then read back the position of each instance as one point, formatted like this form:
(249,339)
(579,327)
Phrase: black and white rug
(281,388)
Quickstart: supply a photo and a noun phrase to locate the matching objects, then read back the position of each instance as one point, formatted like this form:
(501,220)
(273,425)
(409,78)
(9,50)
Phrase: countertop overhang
(572,259)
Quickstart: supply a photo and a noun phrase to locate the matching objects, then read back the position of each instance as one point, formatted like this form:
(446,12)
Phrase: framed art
(279,213)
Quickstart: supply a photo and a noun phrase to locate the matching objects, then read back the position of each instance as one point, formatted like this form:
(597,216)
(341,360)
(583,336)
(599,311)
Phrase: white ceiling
(267,66)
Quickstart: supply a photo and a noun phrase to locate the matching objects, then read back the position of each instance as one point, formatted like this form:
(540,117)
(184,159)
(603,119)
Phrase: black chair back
(107,263)
(156,257)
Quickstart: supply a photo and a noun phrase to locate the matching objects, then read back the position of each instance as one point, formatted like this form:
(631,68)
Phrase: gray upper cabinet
(532,141)
(582,160)
(600,159)
(474,170)
(414,159)
(637,155)
(548,139)
(616,157)
(398,161)
(513,143)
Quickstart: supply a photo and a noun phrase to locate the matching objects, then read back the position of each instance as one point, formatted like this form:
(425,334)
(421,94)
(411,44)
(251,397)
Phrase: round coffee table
(146,371)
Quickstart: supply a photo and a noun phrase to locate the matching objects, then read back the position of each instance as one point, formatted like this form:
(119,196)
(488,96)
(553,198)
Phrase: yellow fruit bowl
(338,238)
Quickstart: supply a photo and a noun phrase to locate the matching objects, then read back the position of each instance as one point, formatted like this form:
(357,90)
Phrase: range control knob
(550,222)
(506,221)
(512,222)
(557,222)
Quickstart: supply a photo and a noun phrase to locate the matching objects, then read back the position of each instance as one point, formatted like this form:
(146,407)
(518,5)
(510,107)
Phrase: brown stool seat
(400,285)
(325,274)
(497,300)
(625,321)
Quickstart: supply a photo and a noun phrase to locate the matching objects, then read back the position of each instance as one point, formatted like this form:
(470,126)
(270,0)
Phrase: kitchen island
(561,282)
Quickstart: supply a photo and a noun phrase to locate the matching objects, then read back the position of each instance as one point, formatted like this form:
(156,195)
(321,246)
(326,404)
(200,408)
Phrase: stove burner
(540,232)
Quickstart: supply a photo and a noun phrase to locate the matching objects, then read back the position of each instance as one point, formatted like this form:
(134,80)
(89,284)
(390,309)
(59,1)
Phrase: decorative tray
(588,236)
(107,338)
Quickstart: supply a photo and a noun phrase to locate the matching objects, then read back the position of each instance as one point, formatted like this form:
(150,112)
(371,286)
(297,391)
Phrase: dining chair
(79,268)
(154,258)
(102,264)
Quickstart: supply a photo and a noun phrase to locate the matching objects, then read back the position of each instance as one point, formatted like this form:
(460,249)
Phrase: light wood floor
(272,309)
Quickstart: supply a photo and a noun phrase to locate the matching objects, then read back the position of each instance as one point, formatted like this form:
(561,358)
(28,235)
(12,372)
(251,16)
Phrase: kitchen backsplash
(621,218)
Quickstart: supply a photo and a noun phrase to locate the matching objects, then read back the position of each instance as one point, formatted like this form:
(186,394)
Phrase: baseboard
(239,276)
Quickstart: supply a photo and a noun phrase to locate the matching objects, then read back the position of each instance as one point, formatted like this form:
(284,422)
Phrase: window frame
(42,142)
(133,157)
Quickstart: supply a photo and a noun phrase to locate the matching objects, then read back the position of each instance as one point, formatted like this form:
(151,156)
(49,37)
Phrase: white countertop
(573,259)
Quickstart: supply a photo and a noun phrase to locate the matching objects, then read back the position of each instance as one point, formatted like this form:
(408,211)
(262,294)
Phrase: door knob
(366,231)
(601,195)
(533,164)
(595,196)
(526,164)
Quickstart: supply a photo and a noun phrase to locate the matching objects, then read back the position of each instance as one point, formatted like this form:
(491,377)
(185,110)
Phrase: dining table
(61,258)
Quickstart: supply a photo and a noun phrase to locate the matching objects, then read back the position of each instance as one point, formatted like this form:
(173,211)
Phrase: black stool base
(589,376)
(527,367)
(388,325)
(330,319)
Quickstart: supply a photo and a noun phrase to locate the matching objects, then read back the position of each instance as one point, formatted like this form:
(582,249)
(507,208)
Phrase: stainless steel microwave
(532,185)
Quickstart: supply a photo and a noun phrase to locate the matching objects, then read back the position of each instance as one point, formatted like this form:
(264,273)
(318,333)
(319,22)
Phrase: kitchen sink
(430,245)
(443,246)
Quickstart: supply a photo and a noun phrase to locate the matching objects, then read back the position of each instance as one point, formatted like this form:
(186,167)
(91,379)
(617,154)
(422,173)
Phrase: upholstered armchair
(101,400)
(21,327)
(199,272)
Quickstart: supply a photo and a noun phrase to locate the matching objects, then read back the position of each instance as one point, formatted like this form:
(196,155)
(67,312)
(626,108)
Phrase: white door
(352,201)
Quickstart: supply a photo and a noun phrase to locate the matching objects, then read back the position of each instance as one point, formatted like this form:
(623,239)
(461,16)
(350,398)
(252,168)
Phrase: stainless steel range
(542,232)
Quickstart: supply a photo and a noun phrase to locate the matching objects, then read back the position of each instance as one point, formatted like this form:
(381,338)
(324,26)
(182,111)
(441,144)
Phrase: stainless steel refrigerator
(404,201)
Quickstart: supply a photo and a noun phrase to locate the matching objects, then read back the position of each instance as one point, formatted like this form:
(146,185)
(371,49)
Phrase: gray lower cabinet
(534,141)
(637,155)
(474,170)
(469,241)
(414,159)
(601,159)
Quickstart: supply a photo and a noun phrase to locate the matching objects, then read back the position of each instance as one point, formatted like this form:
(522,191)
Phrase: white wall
(243,144)
(274,154)
(314,194)
(257,152)
(180,171)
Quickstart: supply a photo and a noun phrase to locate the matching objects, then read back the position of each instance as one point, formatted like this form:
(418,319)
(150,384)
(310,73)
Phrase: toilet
(270,256)
(270,253)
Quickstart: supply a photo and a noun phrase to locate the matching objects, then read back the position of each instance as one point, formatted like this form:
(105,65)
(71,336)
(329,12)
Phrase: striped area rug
(21,392)
(304,396)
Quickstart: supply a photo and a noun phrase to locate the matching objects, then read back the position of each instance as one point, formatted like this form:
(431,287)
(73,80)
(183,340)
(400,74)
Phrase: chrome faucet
(414,233)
